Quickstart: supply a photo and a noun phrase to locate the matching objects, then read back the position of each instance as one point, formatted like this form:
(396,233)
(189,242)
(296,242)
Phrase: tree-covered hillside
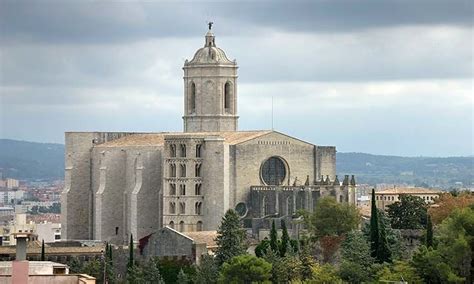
(440,172)
(30,160)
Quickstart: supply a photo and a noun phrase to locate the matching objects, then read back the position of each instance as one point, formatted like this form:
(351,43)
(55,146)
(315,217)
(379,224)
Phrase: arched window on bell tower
(192,97)
(228,97)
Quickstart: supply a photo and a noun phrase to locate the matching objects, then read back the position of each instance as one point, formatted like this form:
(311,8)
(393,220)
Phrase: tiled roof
(203,237)
(35,248)
(156,139)
(409,190)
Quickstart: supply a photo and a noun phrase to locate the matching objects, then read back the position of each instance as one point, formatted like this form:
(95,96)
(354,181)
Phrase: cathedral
(118,183)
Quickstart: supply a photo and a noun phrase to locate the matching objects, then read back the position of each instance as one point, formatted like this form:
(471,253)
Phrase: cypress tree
(383,252)
(429,232)
(374,227)
(274,239)
(285,239)
(43,255)
(131,261)
(230,238)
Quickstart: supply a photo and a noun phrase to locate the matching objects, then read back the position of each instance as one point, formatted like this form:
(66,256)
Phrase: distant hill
(420,171)
(30,160)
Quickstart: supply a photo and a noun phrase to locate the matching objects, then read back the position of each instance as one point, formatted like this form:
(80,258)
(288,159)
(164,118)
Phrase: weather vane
(210,25)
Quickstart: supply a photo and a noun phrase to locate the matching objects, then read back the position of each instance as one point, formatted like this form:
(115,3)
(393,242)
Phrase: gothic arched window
(172,208)
(182,208)
(228,96)
(199,226)
(192,98)
(172,189)
(183,170)
(197,208)
(181,226)
(182,189)
(197,189)
(171,224)
(172,170)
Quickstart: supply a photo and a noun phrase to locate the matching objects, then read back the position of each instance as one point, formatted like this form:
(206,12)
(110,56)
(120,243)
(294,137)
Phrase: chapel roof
(156,139)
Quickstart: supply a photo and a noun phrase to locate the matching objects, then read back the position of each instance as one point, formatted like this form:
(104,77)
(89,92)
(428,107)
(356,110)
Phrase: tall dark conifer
(43,254)
(231,238)
(384,254)
(131,261)
(374,227)
(285,239)
(274,239)
(429,232)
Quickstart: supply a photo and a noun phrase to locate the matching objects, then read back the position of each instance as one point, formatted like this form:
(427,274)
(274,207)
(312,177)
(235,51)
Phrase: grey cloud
(105,21)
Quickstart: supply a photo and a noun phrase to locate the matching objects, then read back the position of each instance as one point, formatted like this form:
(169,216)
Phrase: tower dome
(210,90)
(210,53)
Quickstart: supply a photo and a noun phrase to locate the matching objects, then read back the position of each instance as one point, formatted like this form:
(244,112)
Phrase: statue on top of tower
(210,25)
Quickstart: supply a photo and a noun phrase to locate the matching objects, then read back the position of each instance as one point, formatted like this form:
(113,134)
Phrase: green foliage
(399,271)
(245,269)
(135,275)
(431,266)
(230,238)
(356,258)
(285,239)
(151,272)
(307,262)
(182,278)
(93,268)
(408,213)
(429,232)
(374,227)
(131,261)
(207,272)
(383,252)
(456,242)
(379,246)
(169,269)
(43,256)
(262,247)
(333,218)
(274,238)
(75,265)
(324,274)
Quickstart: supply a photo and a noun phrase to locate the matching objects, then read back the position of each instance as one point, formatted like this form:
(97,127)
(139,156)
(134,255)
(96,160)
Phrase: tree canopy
(245,269)
(408,213)
(230,238)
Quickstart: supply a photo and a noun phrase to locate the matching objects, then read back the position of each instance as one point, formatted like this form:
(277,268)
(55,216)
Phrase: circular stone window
(273,171)
(241,209)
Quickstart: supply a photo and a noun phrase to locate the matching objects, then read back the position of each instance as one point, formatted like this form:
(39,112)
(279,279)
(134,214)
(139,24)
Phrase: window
(228,96)
(181,226)
(183,150)
(173,150)
(171,224)
(273,171)
(172,189)
(57,237)
(199,226)
(182,208)
(192,97)
(183,170)
(197,189)
(197,170)
(197,208)
(198,151)
(172,208)
(182,189)
(288,206)
(264,206)
(172,170)
(340,198)
(116,230)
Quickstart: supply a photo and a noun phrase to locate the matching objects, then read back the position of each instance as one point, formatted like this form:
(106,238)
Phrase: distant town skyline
(380,77)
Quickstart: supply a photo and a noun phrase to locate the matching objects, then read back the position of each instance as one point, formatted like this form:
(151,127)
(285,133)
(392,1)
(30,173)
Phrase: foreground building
(117,184)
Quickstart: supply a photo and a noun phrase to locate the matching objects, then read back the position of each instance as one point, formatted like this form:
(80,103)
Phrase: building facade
(117,184)
(389,196)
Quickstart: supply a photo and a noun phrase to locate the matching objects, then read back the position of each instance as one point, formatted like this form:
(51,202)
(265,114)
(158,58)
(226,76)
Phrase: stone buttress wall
(326,161)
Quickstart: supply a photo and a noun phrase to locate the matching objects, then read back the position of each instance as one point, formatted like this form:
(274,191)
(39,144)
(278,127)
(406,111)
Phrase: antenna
(272,112)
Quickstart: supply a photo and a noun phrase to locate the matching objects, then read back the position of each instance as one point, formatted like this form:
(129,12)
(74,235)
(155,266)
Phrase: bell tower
(210,90)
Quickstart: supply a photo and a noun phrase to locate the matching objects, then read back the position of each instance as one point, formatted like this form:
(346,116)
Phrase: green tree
(75,265)
(93,268)
(456,242)
(182,278)
(333,218)
(429,232)
(431,266)
(274,238)
(262,247)
(230,238)
(324,274)
(208,271)
(399,271)
(151,272)
(43,256)
(356,258)
(135,275)
(383,252)
(307,261)
(131,261)
(245,269)
(408,213)
(285,239)
(374,227)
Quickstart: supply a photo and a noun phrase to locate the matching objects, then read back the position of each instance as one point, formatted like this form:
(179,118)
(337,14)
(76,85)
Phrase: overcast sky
(382,77)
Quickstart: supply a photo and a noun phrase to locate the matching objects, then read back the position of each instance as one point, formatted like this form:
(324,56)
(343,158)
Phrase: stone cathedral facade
(117,184)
